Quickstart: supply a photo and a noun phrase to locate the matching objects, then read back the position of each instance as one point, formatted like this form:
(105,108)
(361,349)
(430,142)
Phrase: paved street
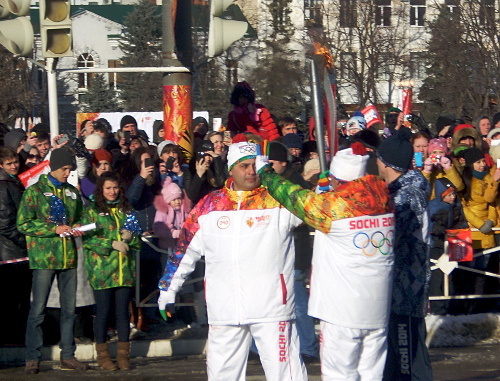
(480,362)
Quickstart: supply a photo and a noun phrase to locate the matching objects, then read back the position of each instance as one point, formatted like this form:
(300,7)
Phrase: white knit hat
(347,165)
(239,152)
(163,144)
(94,142)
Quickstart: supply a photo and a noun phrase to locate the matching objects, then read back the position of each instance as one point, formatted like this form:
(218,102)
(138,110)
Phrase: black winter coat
(12,242)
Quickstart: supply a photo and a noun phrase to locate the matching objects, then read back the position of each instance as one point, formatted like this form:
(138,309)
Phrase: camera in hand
(127,136)
(204,148)
(169,164)
(435,159)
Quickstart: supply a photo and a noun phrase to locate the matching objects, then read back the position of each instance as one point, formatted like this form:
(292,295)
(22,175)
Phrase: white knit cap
(94,142)
(239,152)
(347,166)
(163,144)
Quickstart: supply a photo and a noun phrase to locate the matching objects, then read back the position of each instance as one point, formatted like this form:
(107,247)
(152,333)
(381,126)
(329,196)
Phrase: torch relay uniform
(111,273)
(246,239)
(50,255)
(352,270)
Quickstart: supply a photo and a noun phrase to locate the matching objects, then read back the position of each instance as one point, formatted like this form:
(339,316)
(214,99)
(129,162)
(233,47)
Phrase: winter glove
(445,163)
(122,247)
(126,235)
(487,227)
(428,165)
(164,306)
(323,182)
(261,162)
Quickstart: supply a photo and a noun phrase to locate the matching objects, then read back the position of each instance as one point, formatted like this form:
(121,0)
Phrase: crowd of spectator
(133,186)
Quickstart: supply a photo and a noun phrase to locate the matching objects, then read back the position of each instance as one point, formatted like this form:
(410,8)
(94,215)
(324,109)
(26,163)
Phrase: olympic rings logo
(377,242)
(248,148)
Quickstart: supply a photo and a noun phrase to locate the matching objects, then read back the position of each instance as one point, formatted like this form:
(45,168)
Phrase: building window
(114,78)
(232,71)
(418,65)
(85,79)
(453,6)
(417,12)
(487,12)
(347,66)
(384,67)
(312,13)
(348,13)
(383,12)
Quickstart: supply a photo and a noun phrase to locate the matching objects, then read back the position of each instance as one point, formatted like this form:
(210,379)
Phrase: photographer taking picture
(207,171)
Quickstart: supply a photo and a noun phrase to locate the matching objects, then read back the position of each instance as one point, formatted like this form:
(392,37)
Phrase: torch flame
(323,50)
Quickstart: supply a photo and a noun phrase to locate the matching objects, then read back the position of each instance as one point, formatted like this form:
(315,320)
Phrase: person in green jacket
(48,214)
(110,263)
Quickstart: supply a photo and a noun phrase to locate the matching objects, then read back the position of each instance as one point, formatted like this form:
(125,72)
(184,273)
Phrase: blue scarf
(478,175)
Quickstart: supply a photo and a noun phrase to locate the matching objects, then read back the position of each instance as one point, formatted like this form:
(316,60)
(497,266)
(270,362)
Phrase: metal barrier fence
(442,264)
(147,301)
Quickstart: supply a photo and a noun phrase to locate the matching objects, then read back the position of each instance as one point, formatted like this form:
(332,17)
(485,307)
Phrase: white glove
(121,246)
(260,162)
(164,306)
(163,300)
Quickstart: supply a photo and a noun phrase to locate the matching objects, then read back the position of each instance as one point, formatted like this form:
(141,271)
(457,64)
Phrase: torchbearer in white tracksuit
(352,262)
(245,236)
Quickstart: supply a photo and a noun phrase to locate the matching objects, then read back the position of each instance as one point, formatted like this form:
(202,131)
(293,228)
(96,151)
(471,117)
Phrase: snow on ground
(463,330)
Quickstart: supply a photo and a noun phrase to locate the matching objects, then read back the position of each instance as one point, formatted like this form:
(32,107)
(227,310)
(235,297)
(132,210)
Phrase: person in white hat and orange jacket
(352,263)
(246,239)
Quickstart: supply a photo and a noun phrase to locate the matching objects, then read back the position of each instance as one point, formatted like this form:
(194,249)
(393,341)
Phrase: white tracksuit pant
(349,354)
(278,345)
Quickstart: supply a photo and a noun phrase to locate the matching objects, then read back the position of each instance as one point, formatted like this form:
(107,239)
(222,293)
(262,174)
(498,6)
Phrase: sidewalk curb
(139,348)
(442,331)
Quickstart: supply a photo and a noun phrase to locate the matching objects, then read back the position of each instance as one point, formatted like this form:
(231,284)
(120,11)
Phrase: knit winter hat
(13,138)
(127,119)
(170,192)
(277,151)
(356,122)
(462,127)
(437,144)
(102,154)
(94,142)
(472,155)
(239,152)
(495,119)
(396,151)
(350,163)
(493,133)
(292,141)
(61,157)
(311,164)
(162,145)
(443,121)
(368,138)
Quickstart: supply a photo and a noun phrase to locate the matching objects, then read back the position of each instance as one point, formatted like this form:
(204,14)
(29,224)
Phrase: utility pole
(177,89)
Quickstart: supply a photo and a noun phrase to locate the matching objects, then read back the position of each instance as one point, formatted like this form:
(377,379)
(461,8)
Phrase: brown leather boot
(103,357)
(122,355)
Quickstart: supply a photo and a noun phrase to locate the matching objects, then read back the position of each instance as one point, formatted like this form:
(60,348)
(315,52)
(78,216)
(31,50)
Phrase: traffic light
(222,31)
(16,34)
(55,28)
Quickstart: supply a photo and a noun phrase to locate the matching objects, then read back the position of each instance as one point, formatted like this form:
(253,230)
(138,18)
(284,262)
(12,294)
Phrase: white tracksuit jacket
(246,239)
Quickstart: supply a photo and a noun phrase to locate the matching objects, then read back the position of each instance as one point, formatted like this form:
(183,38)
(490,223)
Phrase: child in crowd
(171,212)
(437,165)
(445,212)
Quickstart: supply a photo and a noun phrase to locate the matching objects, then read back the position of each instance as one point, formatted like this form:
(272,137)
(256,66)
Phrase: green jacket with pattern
(107,267)
(46,249)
